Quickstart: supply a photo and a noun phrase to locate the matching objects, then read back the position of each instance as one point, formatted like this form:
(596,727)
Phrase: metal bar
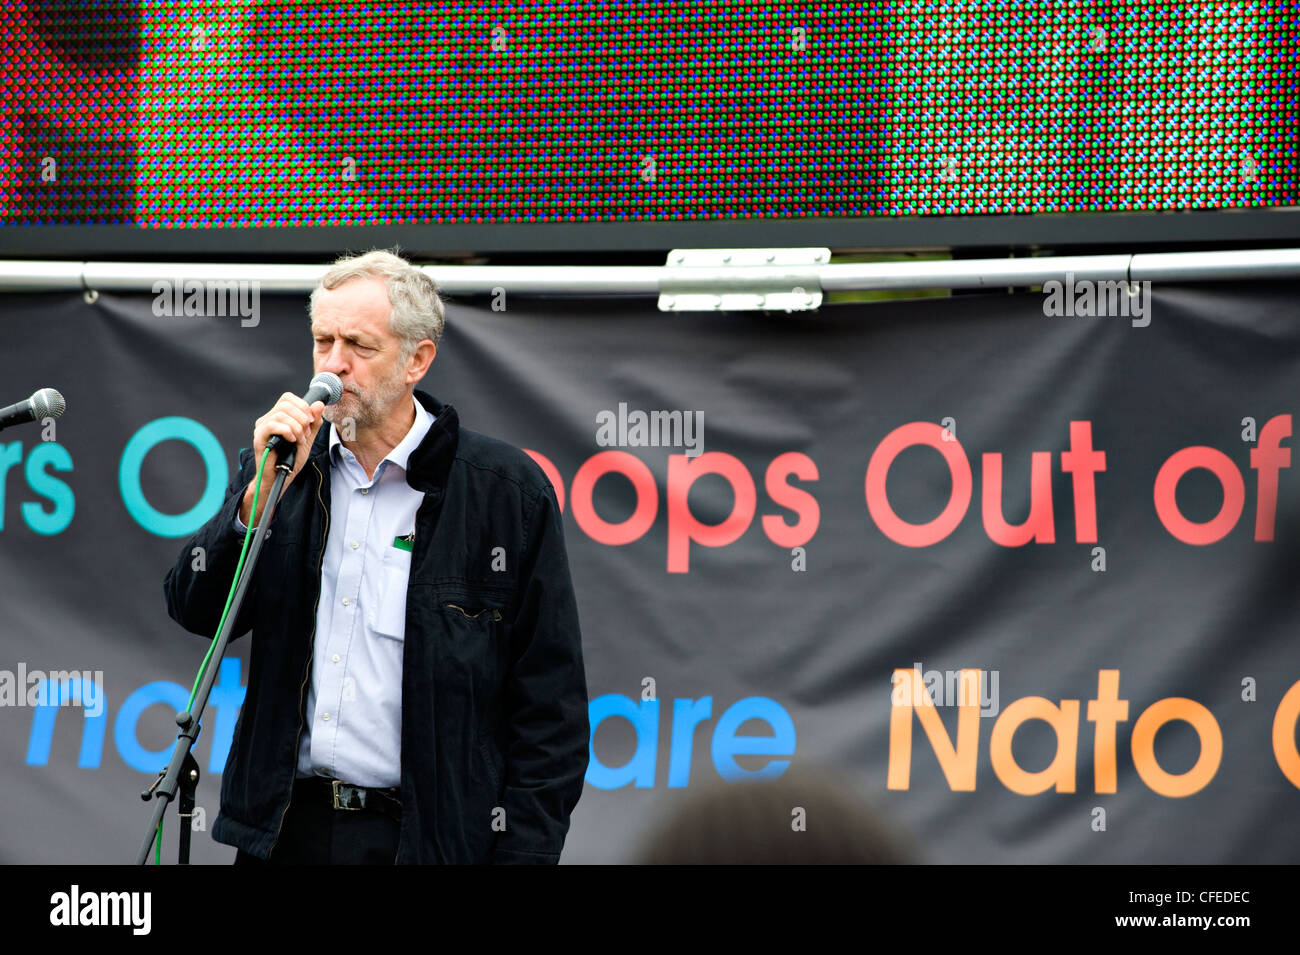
(1216,266)
(35,276)
(973,273)
(549,279)
(17,276)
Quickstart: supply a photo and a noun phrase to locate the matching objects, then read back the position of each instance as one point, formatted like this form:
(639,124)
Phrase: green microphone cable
(230,598)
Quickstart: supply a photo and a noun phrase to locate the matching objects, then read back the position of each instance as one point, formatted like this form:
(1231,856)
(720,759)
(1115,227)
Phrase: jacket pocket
(472,643)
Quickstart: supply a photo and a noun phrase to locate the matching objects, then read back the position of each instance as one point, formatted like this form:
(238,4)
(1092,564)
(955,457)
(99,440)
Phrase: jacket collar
(430,462)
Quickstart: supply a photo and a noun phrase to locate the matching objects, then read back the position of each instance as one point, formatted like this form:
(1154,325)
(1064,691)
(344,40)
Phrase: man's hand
(293,420)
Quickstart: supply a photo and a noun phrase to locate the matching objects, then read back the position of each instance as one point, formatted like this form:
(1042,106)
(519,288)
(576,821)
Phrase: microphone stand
(183,770)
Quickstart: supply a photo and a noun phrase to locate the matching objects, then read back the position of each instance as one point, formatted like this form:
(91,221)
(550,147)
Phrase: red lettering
(683,528)
(1083,462)
(647,497)
(1268,458)
(1040,525)
(801,502)
(552,474)
(1234,495)
(890,524)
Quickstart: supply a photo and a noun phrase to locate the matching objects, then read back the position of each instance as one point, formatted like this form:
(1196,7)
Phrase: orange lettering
(1144,737)
(1064,720)
(957,763)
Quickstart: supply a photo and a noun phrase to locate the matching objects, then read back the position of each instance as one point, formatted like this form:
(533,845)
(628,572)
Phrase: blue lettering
(727,745)
(687,714)
(645,720)
(140,444)
(59,494)
(226,698)
(128,746)
(92,732)
(10,454)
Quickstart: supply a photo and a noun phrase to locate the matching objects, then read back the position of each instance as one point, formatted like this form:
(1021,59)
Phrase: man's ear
(418,364)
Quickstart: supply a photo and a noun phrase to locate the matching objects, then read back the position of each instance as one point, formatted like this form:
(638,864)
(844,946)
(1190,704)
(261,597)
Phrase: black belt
(341,795)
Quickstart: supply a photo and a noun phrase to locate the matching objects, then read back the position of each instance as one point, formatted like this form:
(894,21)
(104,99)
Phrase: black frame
(1082,231)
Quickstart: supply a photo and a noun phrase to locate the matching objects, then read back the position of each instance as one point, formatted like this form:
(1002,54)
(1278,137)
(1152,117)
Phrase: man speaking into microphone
(416,691)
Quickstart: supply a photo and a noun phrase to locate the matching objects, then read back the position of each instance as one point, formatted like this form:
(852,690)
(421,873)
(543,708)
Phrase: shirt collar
(401,454)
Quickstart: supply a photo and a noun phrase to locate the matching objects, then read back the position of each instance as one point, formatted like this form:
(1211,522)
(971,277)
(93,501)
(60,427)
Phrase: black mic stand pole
(183,771)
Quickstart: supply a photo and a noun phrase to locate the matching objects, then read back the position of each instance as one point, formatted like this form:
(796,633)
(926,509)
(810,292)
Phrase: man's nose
(335,361)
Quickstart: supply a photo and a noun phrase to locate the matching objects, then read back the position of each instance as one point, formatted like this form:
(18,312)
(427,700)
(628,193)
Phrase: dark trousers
(315,833)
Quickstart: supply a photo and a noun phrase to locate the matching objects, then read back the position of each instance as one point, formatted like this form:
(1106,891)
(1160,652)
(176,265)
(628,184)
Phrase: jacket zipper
(311,649)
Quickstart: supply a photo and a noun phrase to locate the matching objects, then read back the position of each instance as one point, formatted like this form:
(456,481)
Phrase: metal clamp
(706,280)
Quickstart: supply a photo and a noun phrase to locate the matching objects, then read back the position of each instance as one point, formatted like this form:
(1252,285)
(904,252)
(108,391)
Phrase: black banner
(1012,574)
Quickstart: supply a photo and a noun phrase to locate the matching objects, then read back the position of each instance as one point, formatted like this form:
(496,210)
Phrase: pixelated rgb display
(227,114)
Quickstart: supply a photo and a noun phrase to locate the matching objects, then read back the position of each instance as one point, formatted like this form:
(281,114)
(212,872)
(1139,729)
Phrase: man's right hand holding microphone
(292,419)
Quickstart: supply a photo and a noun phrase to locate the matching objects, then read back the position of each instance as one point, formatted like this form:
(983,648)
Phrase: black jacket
(494,703)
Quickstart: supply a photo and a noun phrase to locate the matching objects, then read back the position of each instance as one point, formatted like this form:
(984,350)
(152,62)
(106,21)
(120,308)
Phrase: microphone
(326,387)
(46,403)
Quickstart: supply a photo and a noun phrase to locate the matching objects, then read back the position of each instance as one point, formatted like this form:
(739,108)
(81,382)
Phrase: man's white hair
(416,309)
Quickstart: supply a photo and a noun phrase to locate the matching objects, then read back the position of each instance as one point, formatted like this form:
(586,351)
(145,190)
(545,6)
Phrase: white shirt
(353,730)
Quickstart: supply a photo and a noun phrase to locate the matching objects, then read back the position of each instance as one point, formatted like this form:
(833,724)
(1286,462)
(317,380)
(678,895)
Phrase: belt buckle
(352,792)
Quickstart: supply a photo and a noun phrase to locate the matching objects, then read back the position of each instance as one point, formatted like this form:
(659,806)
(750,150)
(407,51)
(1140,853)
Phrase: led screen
(198,115)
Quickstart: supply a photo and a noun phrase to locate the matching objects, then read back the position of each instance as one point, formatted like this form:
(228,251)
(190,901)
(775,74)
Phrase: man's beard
(366,409)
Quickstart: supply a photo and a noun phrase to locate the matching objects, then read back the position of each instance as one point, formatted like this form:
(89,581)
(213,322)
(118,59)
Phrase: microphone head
(331,383)
(47,403)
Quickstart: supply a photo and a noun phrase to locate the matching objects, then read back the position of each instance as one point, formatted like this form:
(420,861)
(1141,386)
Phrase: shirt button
(325,717)
(365,490)
(336,658)
(356,544)
(346,602)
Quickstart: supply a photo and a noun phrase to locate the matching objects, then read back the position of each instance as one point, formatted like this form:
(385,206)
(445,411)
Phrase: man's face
(350,325)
